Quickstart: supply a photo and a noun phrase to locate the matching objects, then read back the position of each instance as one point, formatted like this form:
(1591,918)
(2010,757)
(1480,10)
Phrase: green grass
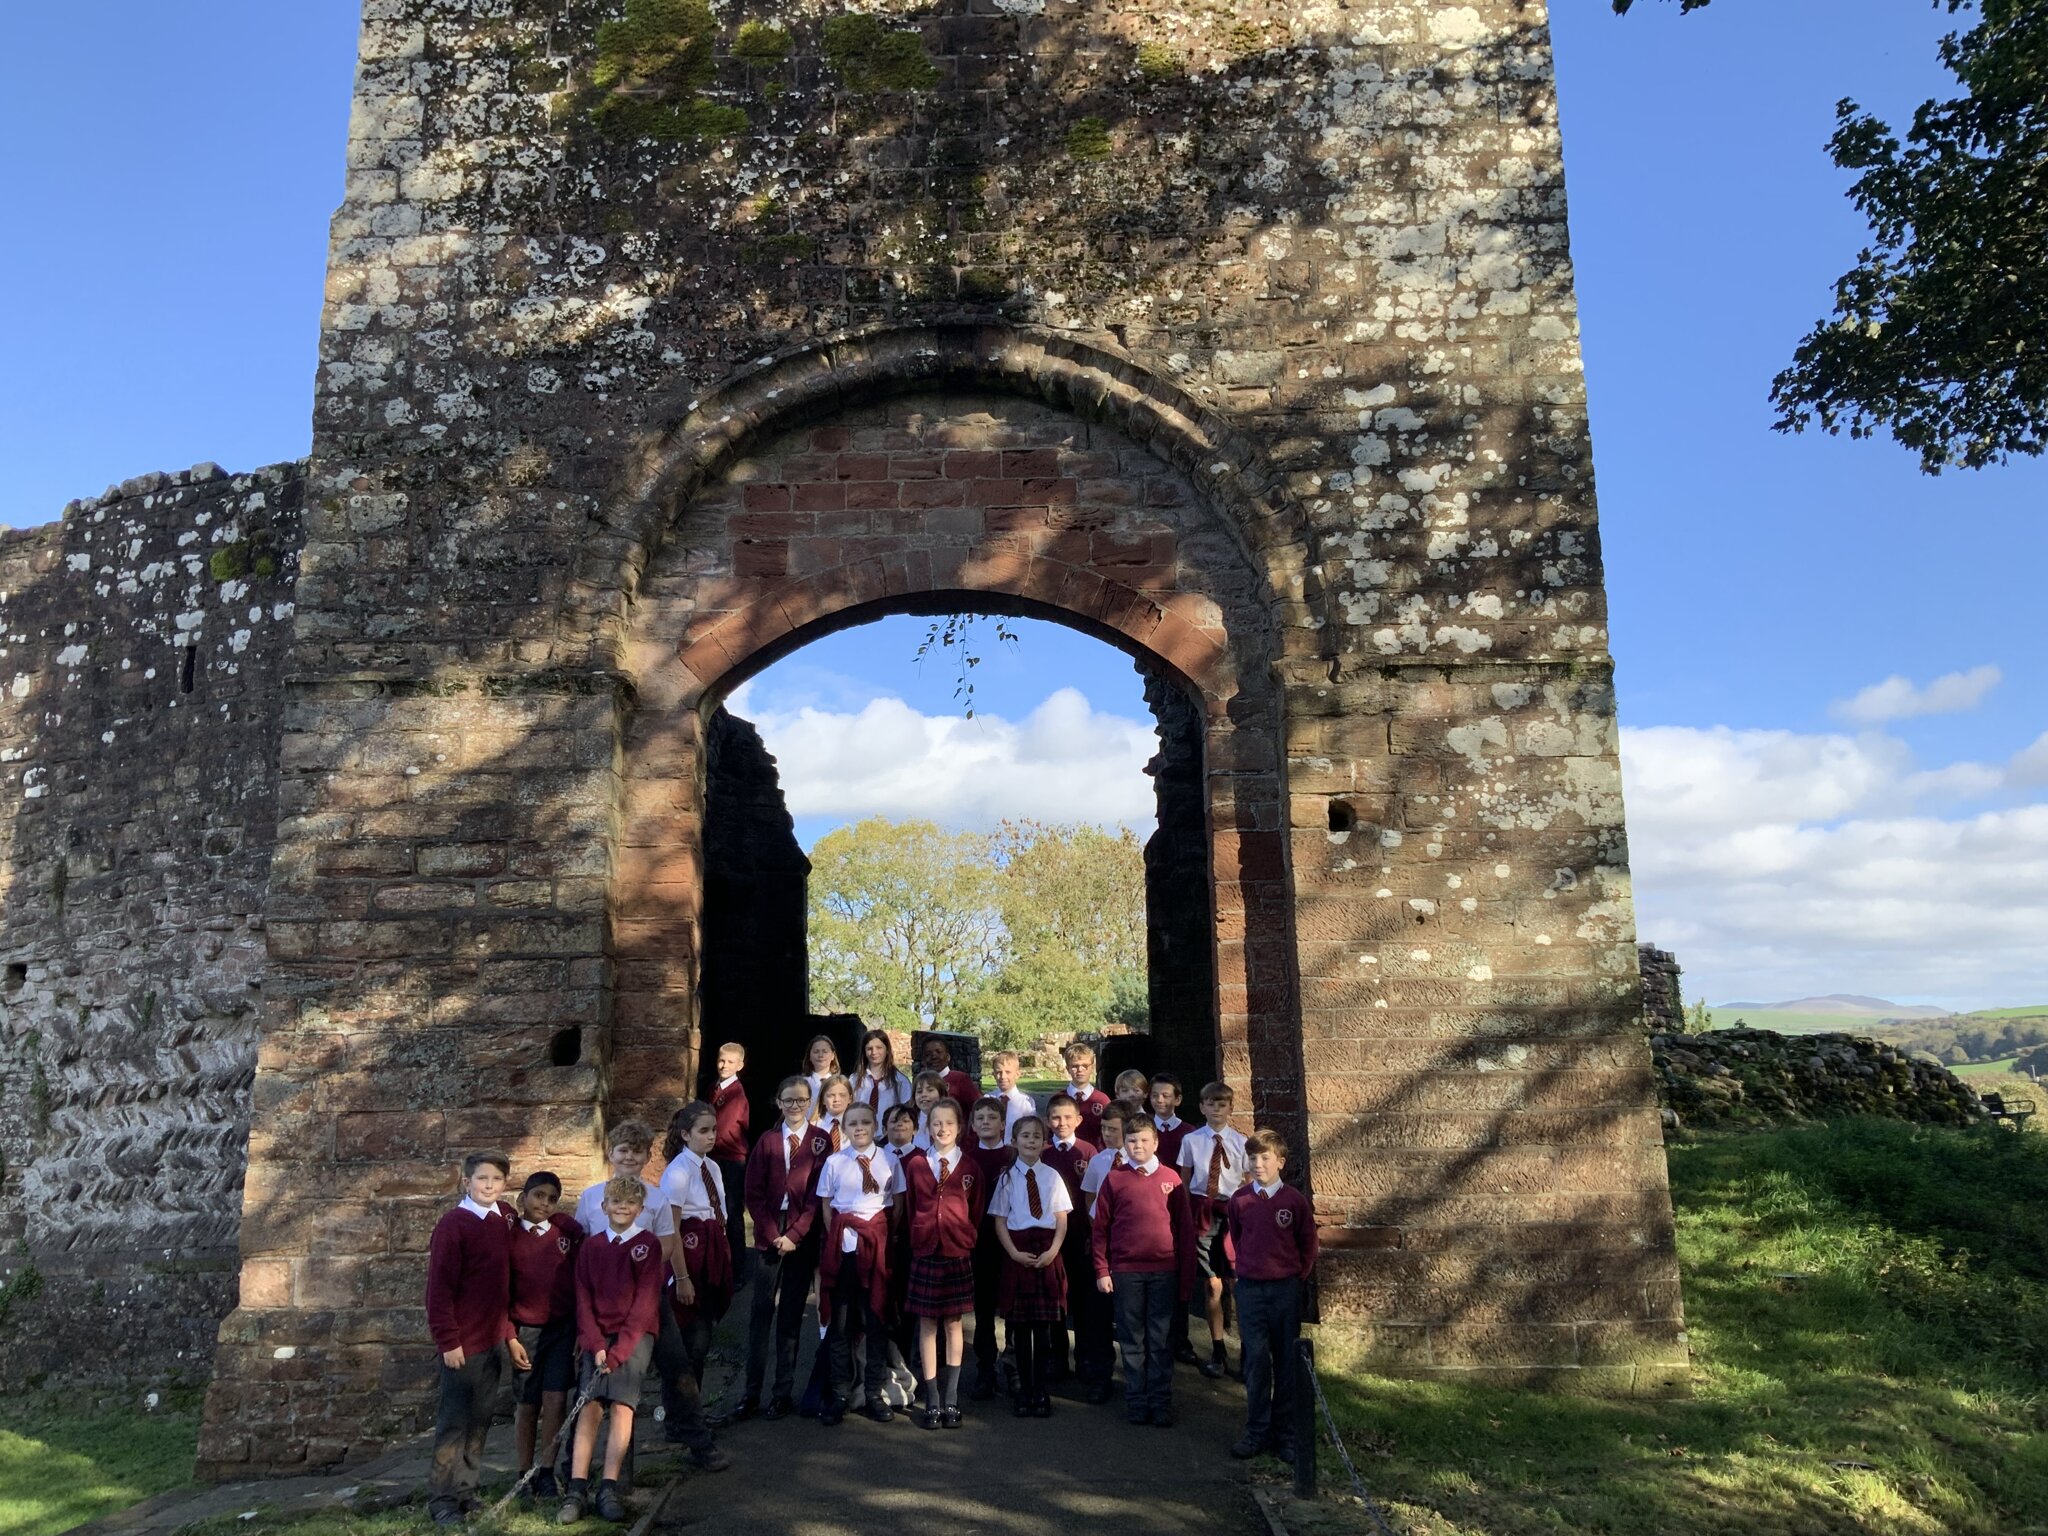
(65,1460)
(1800,1023)
(1868,1309)
(2038,1011)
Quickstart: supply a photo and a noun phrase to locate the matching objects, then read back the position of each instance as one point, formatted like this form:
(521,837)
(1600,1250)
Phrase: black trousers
(1145,1304)
(1269,1326)
(734,1177)
(851,1314)
(988,1278)
(682,1394)
(782,1284)
(1033,1343)
(462,1418)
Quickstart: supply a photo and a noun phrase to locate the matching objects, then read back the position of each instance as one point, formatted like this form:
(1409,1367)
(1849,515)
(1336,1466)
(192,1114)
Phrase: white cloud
(1787,864)
(1062,762)
(1897,699)
(2030,766)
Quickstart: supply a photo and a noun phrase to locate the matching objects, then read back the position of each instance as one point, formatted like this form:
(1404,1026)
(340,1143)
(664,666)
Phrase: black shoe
(609,1505)
(447,1514)
(709,1458)
(544,1485)
(1021,1408)
(984,1387)
(1247,1448)
(571,1511)
(1163,1418)
(1099,1392)
(928,1418)
(1211,1368)
(1137,1416)
(950,1417)
(1285,1451)
(834,1414)
(1042,1409)
(748,1407)
(1184,1354)
(879,1411)
(778,1408)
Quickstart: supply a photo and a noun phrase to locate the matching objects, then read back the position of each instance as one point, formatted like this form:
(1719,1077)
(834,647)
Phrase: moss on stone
(230,562)
(1089,139)
(1247,38)
(986,283)
(778,250)
(1158,61)
(868,56)
(761,45)
(651,64)
(632,117)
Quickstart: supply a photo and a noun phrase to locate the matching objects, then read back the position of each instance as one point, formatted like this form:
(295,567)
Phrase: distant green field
(2039,1010)
(1999,1068)
(1797,1023)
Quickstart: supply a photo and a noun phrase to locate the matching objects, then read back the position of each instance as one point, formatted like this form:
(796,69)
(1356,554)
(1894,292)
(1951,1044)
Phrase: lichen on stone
(868,56)
(1158,61)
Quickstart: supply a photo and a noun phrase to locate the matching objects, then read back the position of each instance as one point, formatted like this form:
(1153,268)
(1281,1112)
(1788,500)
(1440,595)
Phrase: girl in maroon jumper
(946,1196)
(1030,1204)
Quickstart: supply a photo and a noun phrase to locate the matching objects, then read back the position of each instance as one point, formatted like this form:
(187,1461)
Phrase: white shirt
(881,1094)
(839,1186)
(1194,1162)
(628,1235)
(1098,1170)
(1266,1191)
(943,1163)
(682,1183)
(1016,1105)
(828,1124)
(726,1082)
(655,1216)
(481,1212)
(1148,1167)
(1166,1122)
(817,1082)
(1079,1091)
(1010,1203)
(537,1228)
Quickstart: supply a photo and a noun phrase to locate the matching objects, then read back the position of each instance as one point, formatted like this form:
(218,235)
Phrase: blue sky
(170,224)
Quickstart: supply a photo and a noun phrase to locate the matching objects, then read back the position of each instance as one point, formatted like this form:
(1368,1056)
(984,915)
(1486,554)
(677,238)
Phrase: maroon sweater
(1092,1104)
(618,1288)
(1143,1225)
(1274,1239)
(768,1182)
(1070,1166)
(1169,1141)
(963,1090)
(544,1271)
(945,1222)
(469,1281)
(731,1107)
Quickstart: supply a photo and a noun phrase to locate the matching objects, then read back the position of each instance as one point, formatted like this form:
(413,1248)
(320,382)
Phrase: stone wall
(1663,998)
(1746,1079)
(604,303)
(141,643)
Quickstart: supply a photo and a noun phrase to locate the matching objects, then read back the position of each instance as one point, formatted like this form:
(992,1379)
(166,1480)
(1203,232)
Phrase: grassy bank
(1868,1308)
(66,1459)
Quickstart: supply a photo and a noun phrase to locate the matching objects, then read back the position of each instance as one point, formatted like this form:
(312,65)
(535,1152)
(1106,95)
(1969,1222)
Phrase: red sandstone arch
(1189,588)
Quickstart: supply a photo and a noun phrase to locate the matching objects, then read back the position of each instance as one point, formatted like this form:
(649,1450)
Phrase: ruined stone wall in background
(141,641)
(1663,1000)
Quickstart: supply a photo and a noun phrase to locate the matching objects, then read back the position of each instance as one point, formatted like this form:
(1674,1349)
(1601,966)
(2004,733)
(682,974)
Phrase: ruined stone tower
(660,340)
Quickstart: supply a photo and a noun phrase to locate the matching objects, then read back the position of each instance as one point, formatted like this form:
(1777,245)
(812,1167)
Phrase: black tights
(1033,1344)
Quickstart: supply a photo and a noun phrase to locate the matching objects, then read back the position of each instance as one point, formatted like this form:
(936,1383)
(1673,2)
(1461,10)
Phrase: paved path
(996,1475)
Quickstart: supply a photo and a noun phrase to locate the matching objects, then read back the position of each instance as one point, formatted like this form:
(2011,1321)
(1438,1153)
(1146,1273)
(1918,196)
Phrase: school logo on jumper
(967,1181)
(639,1251)
(690,1240)
(562,1243)
(1284,1218)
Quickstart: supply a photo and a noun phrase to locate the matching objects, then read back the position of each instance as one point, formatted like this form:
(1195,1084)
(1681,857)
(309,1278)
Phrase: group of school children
(908,1203)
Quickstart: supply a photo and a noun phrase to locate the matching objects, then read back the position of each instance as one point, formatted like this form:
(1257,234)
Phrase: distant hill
(1845,1005)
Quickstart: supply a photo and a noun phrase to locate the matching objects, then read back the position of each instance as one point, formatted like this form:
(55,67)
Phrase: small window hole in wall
(1343,817)
(189,669)
(566,1049)
(17,975)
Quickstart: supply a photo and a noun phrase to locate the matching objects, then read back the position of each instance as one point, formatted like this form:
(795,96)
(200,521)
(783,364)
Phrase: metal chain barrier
(1308,1404)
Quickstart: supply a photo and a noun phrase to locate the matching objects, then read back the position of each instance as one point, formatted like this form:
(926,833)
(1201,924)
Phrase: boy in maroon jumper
(544,1243)
(1273,1228)
(469,1313)
(1144,1250)
(619,1276)
(1067,1153)
(960,1088)
(729,1103)
(1081,1087)
(782,1189)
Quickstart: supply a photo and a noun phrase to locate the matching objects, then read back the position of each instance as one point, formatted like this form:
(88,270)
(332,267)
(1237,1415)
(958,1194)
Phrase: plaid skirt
(940,1287)
(1033,1295)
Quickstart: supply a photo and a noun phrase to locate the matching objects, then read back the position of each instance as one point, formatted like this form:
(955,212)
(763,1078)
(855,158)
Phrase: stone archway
(918,501)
